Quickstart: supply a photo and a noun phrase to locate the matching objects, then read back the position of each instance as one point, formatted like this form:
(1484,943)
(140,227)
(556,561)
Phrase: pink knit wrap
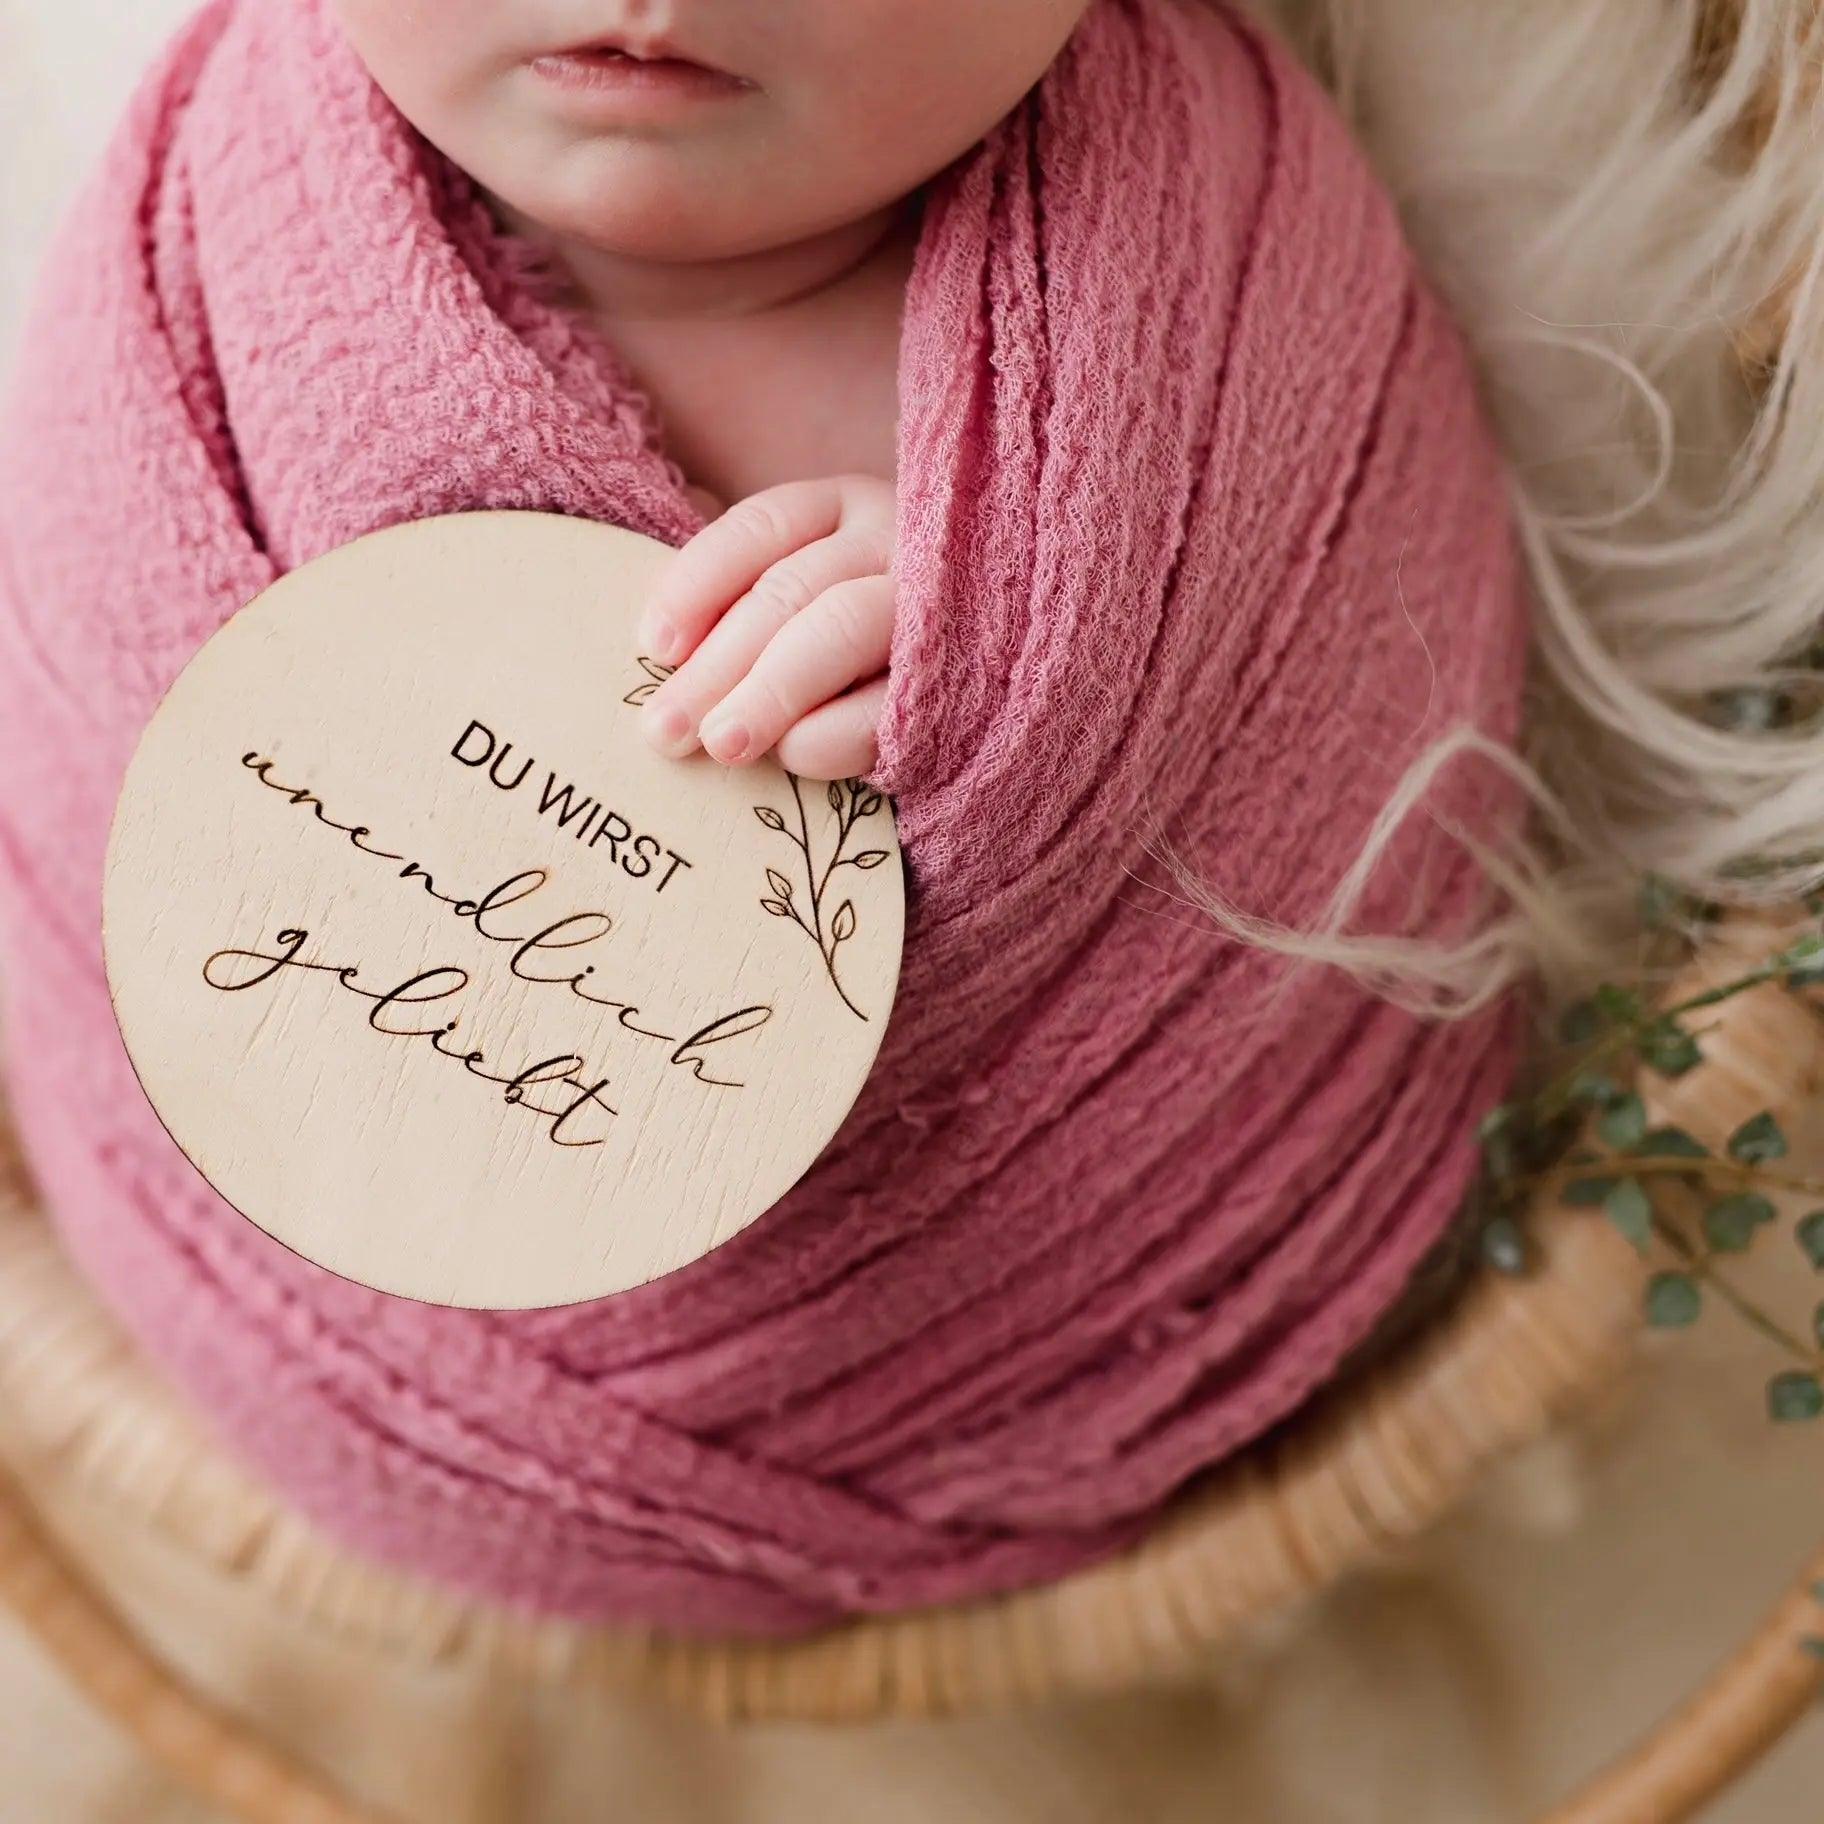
(1198,527)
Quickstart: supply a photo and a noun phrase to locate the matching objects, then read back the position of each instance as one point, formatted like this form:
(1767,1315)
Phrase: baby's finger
(840,639)
(725,559)
(730,648)
(837,739)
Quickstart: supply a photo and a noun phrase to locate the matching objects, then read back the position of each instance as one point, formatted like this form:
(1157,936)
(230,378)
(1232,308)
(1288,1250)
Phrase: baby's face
(704,129)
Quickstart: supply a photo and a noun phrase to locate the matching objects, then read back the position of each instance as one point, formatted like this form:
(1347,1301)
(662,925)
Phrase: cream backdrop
(65,67)
(1478,1676)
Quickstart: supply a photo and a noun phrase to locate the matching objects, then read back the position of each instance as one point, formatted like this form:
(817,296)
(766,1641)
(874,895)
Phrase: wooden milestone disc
(443,976)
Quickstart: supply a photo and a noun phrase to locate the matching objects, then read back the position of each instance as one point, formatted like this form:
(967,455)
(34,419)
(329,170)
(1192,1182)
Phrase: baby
(1196,545)
(734,189)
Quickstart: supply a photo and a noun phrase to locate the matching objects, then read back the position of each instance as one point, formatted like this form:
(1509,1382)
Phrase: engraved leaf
(834,795)
(656,674)
(778,883)
(769,817)
(843,924)
(869,805)
(778,908)
(870,858)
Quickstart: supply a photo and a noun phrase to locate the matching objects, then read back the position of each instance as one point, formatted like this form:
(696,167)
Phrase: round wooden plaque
(440,973)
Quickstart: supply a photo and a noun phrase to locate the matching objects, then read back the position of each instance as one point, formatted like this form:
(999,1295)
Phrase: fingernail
(662,642)
(668,727)
(726,738)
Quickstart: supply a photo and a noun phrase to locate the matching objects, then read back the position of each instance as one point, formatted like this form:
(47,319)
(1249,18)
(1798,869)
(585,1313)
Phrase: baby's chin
(663,203)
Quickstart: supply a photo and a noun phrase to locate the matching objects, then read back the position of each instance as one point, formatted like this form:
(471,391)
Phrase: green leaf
(1545,1143)
(1670,1143)
(1595,1090)
(1803,962)
(1673,1301)
(1623,1124)
(1669,1049)
(1817,1325)
(1813,1645)
(1757,1140)
(1795,1397)
(1616,1004)
(1496,1133)
(1588,1193)
(1729,1224)
(1580,1023)
(1660,902)
(1747,709)
(1498,1120)
(1631,1211)
(1811,1238)
(1503,1246)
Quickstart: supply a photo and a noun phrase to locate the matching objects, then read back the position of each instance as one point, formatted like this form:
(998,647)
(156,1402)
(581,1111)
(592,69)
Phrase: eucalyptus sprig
(1661,1186)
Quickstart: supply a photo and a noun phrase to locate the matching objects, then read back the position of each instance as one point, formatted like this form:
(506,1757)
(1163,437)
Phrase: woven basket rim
(1247,1541)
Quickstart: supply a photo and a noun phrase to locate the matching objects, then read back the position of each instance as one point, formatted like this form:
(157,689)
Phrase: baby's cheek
(380,31)
(428,29)
(899,88)
(426,58)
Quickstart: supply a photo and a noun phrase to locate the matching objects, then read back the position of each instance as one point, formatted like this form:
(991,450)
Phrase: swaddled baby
(1085,465)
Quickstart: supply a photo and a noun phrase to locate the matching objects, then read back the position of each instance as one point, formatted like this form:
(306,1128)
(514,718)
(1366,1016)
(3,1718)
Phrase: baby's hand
(771,614)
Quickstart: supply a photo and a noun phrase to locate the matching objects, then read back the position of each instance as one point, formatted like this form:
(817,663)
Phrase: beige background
(1463,1687)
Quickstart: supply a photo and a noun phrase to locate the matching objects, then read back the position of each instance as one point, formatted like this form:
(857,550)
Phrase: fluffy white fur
(1625,204)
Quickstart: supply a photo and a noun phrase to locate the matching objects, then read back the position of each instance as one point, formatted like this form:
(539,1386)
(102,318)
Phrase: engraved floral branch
(852,801)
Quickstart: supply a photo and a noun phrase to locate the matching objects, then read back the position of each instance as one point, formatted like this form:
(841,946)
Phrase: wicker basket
(1380,1462)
